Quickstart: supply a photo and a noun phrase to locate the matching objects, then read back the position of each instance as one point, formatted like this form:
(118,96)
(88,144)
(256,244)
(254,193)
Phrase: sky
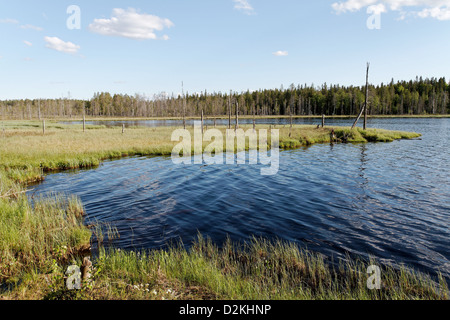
(73,49)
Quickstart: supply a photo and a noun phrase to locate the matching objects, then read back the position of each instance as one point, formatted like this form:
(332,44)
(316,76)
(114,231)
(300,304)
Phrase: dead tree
(364,109)
(237,115)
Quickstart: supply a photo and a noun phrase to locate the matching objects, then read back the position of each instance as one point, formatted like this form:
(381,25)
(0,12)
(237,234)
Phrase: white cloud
(131,24)
(60,45)
(376,9)
(29,26)
(28,43)
(281,53)
(11,21)
(436,12)
(243,5)
(437,9)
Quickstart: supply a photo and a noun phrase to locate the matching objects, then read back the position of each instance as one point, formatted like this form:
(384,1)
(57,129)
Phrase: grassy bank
(39,240)
(257,270)
(23,145)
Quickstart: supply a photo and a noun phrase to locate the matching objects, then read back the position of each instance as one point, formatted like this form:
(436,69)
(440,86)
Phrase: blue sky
(148,47)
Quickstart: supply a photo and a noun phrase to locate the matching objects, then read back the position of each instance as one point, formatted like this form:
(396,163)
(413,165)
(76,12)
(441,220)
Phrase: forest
(415,97)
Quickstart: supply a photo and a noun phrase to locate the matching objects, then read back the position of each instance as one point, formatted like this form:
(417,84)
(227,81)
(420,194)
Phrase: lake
(387,200)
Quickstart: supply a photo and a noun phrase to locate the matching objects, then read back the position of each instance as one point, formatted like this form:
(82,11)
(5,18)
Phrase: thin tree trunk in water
(237,115)
(202,121)
(364,109)
(367,97)
(254,121)
(229,112)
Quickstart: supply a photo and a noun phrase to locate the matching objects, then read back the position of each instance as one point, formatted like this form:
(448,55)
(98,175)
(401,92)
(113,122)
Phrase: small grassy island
(39,242)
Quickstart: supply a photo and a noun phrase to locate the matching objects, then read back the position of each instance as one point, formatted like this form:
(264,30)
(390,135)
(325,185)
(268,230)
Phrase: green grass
(24,147)
(39,239)
(256,270)
(31,236)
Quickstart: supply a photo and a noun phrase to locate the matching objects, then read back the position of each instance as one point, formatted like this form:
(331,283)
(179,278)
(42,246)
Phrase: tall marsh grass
(256,270)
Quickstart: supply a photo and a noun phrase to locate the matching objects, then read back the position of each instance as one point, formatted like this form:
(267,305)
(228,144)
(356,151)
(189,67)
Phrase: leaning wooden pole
(364,109)
(367,96)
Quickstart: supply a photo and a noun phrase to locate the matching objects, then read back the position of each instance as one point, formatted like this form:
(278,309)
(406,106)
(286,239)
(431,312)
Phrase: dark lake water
(387,200)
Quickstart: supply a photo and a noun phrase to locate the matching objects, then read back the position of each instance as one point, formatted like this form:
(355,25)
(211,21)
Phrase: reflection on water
(388,200)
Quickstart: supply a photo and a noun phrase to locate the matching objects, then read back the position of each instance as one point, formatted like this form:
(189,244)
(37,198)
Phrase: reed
(255,270)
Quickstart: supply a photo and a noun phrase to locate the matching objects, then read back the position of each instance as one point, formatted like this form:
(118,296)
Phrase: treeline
(415,97)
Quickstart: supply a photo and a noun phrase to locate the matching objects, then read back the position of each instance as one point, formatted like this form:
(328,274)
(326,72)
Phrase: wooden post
(254,120)
(202,121)
(229,112)
(237,115)
(323,120)
(123,128)
(214,122)
(364,109)
(290,120)
(43,127)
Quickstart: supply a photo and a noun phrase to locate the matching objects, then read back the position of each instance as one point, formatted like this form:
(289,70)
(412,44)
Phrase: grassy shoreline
(38,242)
(68,147)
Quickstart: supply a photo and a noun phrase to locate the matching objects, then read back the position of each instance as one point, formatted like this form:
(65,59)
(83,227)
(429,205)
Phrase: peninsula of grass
(23,145)
(39,239)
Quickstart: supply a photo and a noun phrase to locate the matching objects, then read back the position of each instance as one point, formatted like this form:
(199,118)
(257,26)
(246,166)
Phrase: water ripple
(391,201)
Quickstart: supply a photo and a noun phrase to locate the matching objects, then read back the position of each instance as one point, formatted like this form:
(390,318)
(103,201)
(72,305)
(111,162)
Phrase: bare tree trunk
(364,109)
(237,115)
(229,112)
(202,121)
(367,97)
(254,120)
